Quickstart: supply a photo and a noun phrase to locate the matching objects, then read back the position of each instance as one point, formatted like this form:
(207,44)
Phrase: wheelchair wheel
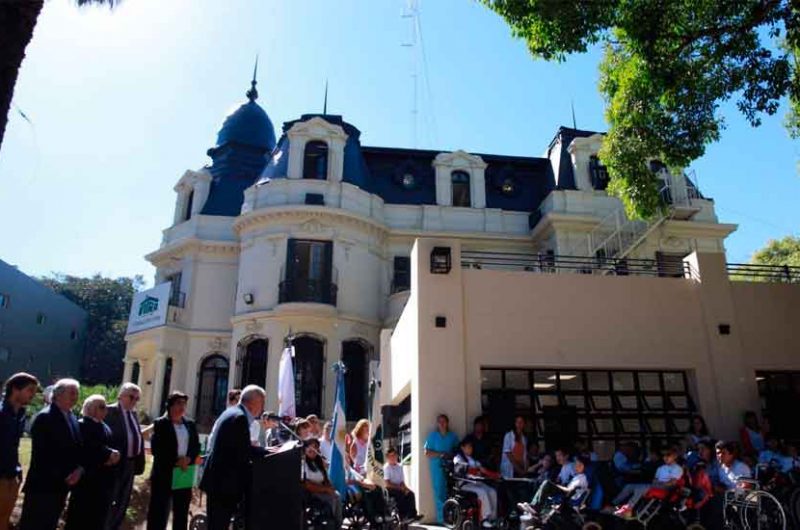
(451,514)
(467,525)
(794,506)
(764,512)
(695,526)
(591,525)
(198,522)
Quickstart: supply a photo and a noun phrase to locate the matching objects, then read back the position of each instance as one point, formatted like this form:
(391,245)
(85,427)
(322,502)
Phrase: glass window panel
(623,380)
(582,426)
(575,401)
(673,382)
(603,425)
(597,380)
(649,381)
(570,380)
(779,383)
(544,380)
(517,379)
(630,425)
(601,402)
(679,402)
(604,448)
(485,401)
(628,402)
(681,424)
(491,379)
(522,402)
(654,402)
(657,424)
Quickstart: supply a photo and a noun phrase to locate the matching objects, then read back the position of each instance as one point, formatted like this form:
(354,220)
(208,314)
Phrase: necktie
(137,438)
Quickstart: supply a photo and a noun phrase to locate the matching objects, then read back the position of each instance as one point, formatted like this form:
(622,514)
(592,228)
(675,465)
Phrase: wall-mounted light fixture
(440,260)
(248,298)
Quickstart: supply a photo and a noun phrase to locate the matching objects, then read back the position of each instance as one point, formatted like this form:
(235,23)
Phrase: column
(128,370)
(158,383)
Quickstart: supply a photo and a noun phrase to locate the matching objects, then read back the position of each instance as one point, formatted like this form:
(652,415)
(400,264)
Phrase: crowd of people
(709,465)
(87,465)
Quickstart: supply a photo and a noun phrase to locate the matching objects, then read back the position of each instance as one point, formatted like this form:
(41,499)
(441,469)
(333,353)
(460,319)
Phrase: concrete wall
(534,320)
(47,350)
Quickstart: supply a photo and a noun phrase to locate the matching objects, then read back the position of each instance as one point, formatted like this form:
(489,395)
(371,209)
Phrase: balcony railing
(748,272)
(552,264)
(307,290)
(177,299)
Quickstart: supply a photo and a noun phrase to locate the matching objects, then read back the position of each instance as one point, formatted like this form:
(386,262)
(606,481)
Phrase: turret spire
(252,94)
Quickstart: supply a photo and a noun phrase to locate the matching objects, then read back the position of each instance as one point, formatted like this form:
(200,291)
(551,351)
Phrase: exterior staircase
(616,236)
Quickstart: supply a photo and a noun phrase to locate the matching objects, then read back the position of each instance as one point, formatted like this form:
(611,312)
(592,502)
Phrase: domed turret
(248,125)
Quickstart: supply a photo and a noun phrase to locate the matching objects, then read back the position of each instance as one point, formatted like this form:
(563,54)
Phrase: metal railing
(748,272)
(177,299)
(307,290)
(554,264)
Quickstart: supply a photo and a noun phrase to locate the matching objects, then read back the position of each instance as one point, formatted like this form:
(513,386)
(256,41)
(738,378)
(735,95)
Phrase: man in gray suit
(126,437)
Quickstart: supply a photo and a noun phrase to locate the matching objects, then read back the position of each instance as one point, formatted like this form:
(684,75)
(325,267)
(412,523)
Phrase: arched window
(187,209)
(355,357)
(254,364)
(309,359)
(135,372)
(461,191)
(212,390)
(166,382)
(315,161)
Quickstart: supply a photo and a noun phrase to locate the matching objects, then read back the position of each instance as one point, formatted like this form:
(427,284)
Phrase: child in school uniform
(396,485)
(578,484)
(667,475)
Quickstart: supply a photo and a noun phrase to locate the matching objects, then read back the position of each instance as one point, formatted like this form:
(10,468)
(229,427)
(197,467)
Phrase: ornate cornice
(192,246)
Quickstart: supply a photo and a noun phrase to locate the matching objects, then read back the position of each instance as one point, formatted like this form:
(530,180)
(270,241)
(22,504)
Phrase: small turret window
(461,191)
(187,209)
(315,161)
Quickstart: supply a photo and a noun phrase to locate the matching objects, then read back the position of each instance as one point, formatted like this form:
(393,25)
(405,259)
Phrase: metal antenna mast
(411,13)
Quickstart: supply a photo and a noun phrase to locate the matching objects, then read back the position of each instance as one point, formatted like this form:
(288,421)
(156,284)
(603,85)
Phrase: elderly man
(126,437)
(226,478)
(19,391)
(55,459)
(91,498)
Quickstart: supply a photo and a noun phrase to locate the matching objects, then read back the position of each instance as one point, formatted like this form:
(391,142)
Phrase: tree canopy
(108,301)
(667,67)
(784,251)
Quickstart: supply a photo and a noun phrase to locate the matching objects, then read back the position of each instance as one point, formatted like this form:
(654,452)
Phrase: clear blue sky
(123,102)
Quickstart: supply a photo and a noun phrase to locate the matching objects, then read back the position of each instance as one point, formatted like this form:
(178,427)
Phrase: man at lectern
(227,475)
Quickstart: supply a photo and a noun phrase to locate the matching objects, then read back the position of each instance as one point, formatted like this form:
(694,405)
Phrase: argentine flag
(336,473)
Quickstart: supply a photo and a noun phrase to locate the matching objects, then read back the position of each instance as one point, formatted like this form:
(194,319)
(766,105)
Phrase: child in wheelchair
(550,494)
(364,498)
(321,499)
(466,467)
(666,477)
(396,487)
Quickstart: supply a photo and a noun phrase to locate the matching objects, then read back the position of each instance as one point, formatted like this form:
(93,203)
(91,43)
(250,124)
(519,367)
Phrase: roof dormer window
(187,206)
(598,173)
(461,189)
(315,160)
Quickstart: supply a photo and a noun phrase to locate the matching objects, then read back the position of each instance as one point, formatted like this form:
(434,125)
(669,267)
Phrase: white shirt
(578,484)
(325,448)
(464,463)
(668,473)
(182,434)
(729,476)
(393,473)
(566,473)
(317,477)
(255,432)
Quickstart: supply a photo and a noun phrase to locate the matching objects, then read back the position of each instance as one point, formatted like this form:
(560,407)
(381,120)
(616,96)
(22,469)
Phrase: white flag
(286,405)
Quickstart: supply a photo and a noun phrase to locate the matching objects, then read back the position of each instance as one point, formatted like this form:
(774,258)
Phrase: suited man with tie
(55,459)
(126,437)
(91,498)
(226,478)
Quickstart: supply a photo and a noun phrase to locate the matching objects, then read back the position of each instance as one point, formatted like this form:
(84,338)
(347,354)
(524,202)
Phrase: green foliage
(109,392)
(107,301)
(784,251)
(667,67)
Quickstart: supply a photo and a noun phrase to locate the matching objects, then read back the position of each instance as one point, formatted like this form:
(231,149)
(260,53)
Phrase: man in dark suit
(226,478)
(90,500)
(55,459)
(175,444)
(126,437)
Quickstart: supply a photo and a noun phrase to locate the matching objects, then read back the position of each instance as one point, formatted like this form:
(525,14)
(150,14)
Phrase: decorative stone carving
(253,326)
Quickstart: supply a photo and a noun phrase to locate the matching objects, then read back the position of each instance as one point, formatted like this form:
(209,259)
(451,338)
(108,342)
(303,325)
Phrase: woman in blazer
(174,444)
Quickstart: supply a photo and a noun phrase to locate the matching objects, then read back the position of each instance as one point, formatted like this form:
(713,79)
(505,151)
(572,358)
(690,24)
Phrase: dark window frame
(401,277)
(461,189)
(315,160)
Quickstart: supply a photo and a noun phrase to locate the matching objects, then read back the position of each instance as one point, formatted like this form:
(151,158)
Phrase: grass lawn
(141,494)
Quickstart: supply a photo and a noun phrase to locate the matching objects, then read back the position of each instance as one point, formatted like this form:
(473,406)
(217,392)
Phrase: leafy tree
(108,302)
(667,67)
(784,251)
(17,20)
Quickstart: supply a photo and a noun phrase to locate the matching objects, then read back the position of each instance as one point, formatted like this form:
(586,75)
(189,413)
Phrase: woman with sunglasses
(91,499)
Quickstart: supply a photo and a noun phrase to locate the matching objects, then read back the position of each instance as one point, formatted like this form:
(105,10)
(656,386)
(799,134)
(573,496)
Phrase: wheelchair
(317,515)
(568,513)
(355,515)
(672,508)
(461,510)
(749,507)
